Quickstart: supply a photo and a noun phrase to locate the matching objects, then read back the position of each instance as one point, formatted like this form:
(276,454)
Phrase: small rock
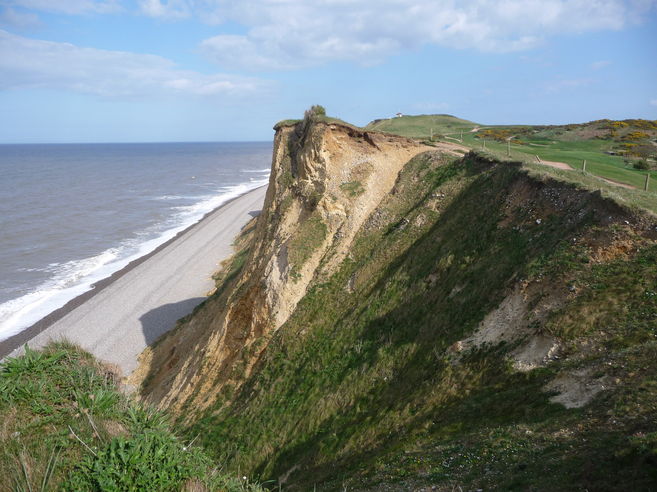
(538,221)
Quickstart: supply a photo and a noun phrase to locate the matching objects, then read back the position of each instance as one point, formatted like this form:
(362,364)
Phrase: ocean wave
(173,197)
(73,278)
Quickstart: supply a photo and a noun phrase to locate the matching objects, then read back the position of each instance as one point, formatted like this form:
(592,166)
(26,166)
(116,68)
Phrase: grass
(359,390)
(232,266)
(352,188)
(573,153)
(309,236)
(636,199)
(569,143)
(421,127)
(65,426)
(317,118)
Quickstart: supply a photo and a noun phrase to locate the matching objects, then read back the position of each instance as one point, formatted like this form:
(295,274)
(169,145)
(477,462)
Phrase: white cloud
(71,7)
(11,17)
(30,63)
(295,33)
(600,64)
(172,9)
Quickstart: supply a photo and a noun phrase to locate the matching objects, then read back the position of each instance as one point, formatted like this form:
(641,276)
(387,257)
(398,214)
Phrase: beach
(124,314)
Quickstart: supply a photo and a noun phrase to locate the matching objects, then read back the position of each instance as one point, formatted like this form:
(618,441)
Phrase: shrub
(637,135)
(499,135)
(316,111)
(641,164)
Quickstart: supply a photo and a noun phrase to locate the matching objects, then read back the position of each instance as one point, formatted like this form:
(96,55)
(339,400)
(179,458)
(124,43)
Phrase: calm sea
(71,215)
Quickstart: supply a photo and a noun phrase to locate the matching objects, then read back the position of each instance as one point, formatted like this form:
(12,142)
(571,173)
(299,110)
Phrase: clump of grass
(307,239)
(64,425)
(352,188)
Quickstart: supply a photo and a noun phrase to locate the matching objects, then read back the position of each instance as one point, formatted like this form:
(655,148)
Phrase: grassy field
(561,144)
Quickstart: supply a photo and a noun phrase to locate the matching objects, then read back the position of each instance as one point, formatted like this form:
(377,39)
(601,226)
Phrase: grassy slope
(358,387)
(64,425)
(563,144)
(421,126)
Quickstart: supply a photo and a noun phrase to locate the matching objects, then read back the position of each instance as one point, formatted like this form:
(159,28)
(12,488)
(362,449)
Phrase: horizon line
(137,142)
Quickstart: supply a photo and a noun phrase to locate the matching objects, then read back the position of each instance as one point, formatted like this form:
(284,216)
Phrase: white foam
(74,278)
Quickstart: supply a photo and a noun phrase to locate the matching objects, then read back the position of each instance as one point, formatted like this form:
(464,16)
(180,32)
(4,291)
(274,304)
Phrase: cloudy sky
(221,70)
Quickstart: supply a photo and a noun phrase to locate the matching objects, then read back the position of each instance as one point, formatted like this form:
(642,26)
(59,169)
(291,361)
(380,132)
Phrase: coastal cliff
(326,180)
(402,316)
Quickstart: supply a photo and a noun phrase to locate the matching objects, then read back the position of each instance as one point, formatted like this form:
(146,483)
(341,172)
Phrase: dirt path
(452,148)
(618,183)
(568,167)
(557,165)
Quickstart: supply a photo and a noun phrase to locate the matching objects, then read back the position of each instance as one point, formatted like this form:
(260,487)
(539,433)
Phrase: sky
(228,70)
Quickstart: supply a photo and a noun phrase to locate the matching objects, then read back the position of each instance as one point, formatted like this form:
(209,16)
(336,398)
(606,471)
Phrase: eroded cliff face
(397,315)
(326,180)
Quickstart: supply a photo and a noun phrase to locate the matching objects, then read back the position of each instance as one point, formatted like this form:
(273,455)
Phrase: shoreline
(22,338)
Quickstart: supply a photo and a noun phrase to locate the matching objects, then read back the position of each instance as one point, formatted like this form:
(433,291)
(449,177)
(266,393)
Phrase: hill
(403,316)
(422,126)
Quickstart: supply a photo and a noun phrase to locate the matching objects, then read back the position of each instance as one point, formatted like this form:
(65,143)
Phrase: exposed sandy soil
(452,148)
(557,165)
(576,388)
(618,183)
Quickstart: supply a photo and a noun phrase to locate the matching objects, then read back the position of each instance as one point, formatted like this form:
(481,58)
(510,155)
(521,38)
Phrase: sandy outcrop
(326,180)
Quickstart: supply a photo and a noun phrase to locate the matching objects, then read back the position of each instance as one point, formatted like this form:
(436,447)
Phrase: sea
(73,214)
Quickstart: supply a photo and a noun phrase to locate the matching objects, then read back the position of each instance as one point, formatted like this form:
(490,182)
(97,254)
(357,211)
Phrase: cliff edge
(401,317)
(326,180)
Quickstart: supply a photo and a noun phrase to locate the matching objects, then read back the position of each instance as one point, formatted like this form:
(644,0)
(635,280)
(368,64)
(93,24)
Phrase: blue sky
(222,70)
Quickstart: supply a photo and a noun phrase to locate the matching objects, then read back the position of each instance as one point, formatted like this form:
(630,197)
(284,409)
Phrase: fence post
(461,136)
(645,187)
(508,147)
(484,143)
(584,167)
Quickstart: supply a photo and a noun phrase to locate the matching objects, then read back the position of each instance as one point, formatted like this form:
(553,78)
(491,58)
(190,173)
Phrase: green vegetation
(284,123)
(362,388)
(315,113)
(423,126)
(65,426)
(232,266)
(306,240)
(641,165)
(601,143)
(573,153)
(352,188)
